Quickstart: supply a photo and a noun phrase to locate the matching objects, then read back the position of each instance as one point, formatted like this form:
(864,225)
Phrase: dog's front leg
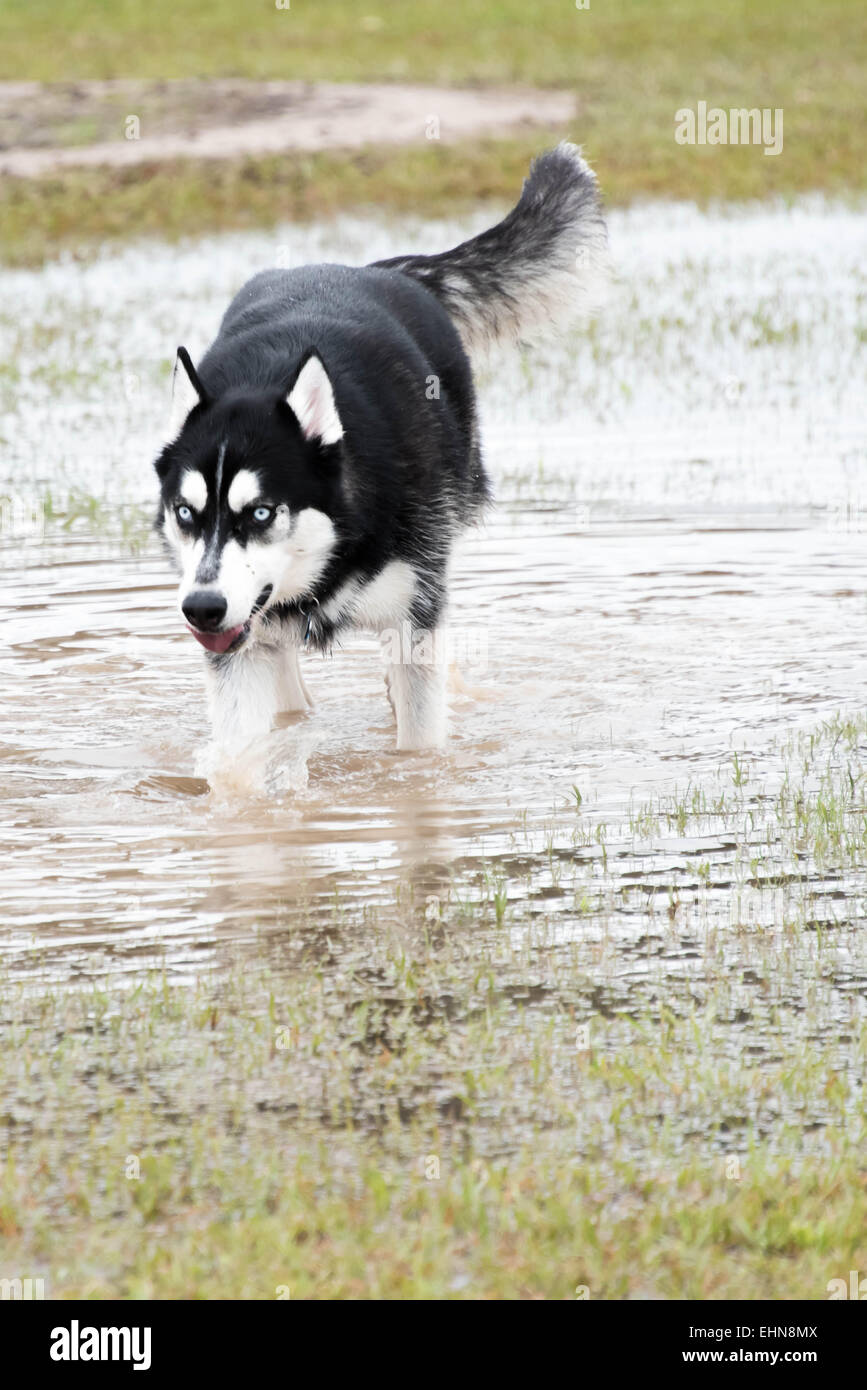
(248,688)
(416,684)
(295,697)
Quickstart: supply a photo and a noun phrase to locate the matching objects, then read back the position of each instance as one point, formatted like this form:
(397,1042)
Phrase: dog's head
(250,483)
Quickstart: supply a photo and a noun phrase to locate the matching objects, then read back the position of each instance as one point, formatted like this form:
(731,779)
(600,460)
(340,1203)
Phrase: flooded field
(613,934)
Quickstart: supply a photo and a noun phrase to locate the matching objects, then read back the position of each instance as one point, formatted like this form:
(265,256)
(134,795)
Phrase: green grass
(457,1099)
(632,64)
(84,209)
(481,41)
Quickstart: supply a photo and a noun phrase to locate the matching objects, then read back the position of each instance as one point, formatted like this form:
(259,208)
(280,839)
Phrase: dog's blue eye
(184,514)
(263,514)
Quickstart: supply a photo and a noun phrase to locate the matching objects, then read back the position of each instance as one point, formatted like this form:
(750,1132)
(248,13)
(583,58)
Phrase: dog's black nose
(204,609)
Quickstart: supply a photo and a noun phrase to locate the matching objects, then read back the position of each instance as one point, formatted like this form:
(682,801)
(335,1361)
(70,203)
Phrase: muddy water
(675,569)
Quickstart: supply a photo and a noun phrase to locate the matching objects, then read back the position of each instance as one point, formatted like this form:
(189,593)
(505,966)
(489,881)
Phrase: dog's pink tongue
(216,641)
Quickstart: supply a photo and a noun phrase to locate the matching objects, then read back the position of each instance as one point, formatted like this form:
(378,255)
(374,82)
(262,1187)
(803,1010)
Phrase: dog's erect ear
(187,393)
(311,401)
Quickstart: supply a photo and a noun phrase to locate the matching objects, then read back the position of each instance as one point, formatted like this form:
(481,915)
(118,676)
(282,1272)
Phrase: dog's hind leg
(416,687)
(388,684)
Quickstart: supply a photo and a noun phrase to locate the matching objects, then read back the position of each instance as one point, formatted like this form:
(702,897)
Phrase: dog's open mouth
(233,636)
(220,641)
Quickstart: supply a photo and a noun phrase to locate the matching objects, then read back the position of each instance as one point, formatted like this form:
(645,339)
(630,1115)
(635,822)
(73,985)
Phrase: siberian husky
(324,453)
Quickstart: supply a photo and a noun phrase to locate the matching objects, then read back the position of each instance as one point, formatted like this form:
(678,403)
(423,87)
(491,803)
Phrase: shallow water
(674,570)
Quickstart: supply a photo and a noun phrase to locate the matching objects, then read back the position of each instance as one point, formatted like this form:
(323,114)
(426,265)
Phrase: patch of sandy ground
(48,127)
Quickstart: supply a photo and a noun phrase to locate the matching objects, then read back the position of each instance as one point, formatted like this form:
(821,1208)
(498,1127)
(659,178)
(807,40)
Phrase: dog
(324,455)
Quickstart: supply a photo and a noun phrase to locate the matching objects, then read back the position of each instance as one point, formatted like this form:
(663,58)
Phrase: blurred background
(177,117)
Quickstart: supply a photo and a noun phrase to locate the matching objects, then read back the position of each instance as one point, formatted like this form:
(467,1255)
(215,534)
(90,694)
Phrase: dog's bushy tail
(539,270)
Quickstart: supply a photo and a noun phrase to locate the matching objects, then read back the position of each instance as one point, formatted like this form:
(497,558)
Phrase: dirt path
(43,128)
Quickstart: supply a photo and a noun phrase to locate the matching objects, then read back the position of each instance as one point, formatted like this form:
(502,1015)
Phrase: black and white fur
(324,455)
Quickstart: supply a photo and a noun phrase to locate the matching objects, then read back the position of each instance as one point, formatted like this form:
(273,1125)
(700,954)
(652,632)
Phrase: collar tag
(308,614)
